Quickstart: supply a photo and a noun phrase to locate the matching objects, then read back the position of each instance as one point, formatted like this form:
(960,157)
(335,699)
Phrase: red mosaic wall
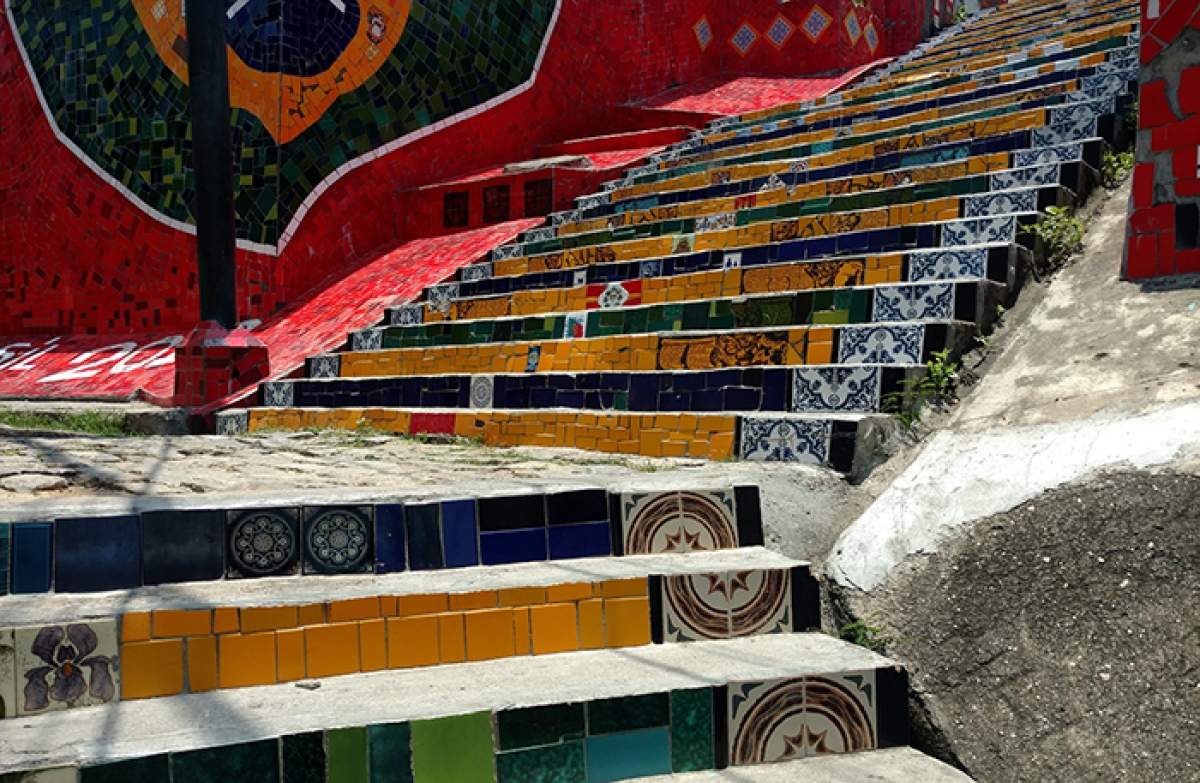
(77,257)
(1164,229)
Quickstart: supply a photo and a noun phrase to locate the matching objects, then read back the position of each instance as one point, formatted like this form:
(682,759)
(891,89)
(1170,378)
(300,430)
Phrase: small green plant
(936,387)
(87,423)
(961,13)
(1115,167)
(864,634)
(1061,234)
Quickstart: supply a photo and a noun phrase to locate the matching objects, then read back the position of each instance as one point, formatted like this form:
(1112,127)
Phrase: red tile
(1153,219)
(1189,87)
(1143,257)
(1143,185)
(1153,108)
(1166,253)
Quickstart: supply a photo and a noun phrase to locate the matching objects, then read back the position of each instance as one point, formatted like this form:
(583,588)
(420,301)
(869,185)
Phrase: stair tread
(891,765)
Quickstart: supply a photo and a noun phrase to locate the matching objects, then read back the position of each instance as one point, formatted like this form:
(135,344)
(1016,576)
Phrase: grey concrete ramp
(895,765)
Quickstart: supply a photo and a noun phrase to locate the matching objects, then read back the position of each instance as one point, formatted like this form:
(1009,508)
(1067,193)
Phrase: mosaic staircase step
(597,716)
(861,388)
(892,765)
(175,543)
(185,646)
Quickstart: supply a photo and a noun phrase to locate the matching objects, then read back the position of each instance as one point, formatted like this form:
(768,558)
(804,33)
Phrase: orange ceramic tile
(151,669)
(353,609)
(289,646)
(246,659)
(462,602)
(452,646)
(135,627)
(412,641)
(627,621)
(269,618)
(523,596)
(202,664)
(331,649)
(619,588)
(555,628)
(522,641)
(591,624)
(435,603)
(372,636)
(172,623)
(489,634)
(311,614)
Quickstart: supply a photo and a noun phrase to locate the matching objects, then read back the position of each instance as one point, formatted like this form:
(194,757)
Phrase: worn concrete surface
(895,765)
(140,728)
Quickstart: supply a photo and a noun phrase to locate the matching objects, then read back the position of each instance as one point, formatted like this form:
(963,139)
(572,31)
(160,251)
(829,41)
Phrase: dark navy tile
(390,554)
(182,546)
(459,534)
(92,554)
(339,540)
(262,542)
(151,769)
(423,530)
(749,515)
(511,512)
(513,546)
(584,505)
(592,539)
(5,538)
(32,557)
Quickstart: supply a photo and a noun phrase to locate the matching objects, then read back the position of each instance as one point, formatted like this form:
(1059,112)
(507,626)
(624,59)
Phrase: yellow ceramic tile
(372,636)
(462,602)
(523,596)
(151,669)
(409,605)
(135,627)
(412,641)
(246,659)
(627,621)
(268,618)
(311,614)
(490,634)
(171,623)
(353,609)
(620,588)
(331,649)
(591,624)
(451,642)
(555,628)
(289,646)
(202,664)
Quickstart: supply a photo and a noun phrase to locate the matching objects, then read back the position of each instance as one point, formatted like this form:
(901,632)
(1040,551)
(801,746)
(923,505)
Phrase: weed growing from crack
(873,637)
(87,423)
(1115,167)
(935,388)
(1062,236)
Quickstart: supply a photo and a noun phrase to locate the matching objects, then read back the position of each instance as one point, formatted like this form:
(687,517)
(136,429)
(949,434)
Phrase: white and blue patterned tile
(408,315)
(743,39)
(652,268)
(575,326)
(544,234)
(722,222)
(1065,134)
(579,277)
(597,200)
(278,394)
(964,264)
(563,218)
(913,302)
(439,297)
(835,389)
(979,231)
(366,340)
(473,272)
(881,344)
(483,392)
(328,365)
(1033,176)
(506,252)
(731,260)
(533,358)
(776,439)
(230,423)
(1065,153)
(1007,202)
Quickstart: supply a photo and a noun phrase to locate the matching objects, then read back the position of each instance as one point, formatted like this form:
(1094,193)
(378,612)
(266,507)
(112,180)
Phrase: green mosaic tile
(691,730)
(252,762)
(532,726)
(453,750)
(390,748)
(347,749)
(553,764)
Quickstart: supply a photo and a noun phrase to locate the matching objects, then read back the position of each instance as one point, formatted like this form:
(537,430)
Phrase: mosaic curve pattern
(308,107)
(727,604)
(679,522)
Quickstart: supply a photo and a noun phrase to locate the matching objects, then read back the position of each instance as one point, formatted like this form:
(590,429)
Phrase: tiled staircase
(772,282)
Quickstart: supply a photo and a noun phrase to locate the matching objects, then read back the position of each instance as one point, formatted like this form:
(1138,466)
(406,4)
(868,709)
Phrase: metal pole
(212,161)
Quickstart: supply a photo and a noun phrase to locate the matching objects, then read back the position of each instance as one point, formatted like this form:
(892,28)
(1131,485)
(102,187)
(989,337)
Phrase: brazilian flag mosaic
(313,84)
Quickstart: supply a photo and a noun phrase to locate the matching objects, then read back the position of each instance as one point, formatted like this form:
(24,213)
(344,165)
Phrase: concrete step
(709,693)
(894,765)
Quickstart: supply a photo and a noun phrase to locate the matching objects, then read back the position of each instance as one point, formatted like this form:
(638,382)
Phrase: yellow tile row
(700,436)
(171,652)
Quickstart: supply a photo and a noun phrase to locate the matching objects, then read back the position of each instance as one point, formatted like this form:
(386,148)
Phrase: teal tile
(691,730)
(347,752)
(453,750)
(624,756)
(390,747)
(532,726)
(153,769)
(550,764)
(628,713)
(252,762)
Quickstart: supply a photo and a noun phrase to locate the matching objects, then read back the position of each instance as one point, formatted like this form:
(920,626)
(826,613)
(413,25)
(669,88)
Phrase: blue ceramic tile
(569,508)
(32,557)
(182,546)
(632,755)
(92,554)
(423,531)
(390,555)
(592,539)
(4,547)
(512,512)
(513,546)
(459,534)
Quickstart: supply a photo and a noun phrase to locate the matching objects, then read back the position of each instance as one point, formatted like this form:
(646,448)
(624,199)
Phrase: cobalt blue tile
(821,247)
(570,399)
(389,539)
(182,546)
(707,401)
(32,557)
(671,401)
(423,531)
(513,546)
(593,539)
(632,755)
(93,554)
(643,392)
(5,536)
(741,399)
(459,534)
